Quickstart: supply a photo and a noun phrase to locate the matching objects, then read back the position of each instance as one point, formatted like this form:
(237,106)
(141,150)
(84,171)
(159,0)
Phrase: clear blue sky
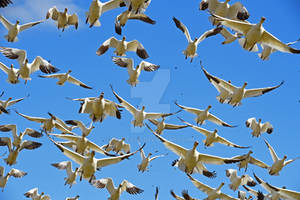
(177,79)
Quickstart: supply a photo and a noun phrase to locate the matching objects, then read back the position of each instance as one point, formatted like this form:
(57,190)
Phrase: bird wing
(32,133)
(174,126)
(124,103)
(75,81)
(176,196)
(247,180)
(210,159)
(234,9)
(124,62)
(260,91)
(74,138)
(290,161)
(272,152)
(208,33)
(34,119)
(267,126)
(189,109)
(29,145)
(226,197)
(4,68)
(137,47)
(111,42)
(201,186)
(183,28)
(4,3)
(12,102)
(111,108)
(61,165)
(6,141)
(126,148)
(31,192)
(40,63)
(142,17)
(154,157)
(10,127)
(149,67)
(197,128)
(17,173)
(153,121)
(53,13)
(130,188)
(251,122)
(7,24)
(58,76)
(73,20)
(95,147)
(218,121)
(13,53)
(112,4)
(257,162)
(104,182)
(28,25)
(156,115)
(228,143)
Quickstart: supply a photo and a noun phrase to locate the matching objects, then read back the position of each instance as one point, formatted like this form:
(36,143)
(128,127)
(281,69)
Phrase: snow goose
(191,50)
(255,33)
(139,115)
(190,159)
(73,198)
(247,158)
(117,146)
(203,115)
(283,193)
(15,29)
(71,175)
(89,164)
(97,8)
(212,193)
(278,164)
(161,125)
(7,103)
(122,46)
(19,138)
(137,6)
(62,78)
(260,196)
(34,195)
(13,172)
(4,3)
(85,130)
(48,123)
(115,192)
(99,108)
(258,128)
(236,180)
(185,195)
(212,137)
(237,93)
(134,73)
(63,18)
(122,19)
(12,73)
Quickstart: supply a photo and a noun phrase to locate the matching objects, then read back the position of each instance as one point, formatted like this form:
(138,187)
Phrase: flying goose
(89,164)
(283,193)
(117,146)
(85,130)
(278,164)
(242,195)
(99,108)
(212,136)
(73,198)
(137,6)
(237,93)
(258,128)
(247,158)
(185,195)
(4,3)
(203,115)
(34,195)
(13,172)
(19,138)
(255,33)
(134,73)
(97,8)
(71,175)
(115,192)
(7,103)
(260,196)
(122,47)
(191,50)
(15,29)
(212,193)
(122,19)
(236,180)
(62,78)
(12,73)
(49,123)
(161,125)
(63,18)
(139,115)
(190,159)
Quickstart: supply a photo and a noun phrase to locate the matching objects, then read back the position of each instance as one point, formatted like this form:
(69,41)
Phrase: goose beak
(11,66)
(209,107)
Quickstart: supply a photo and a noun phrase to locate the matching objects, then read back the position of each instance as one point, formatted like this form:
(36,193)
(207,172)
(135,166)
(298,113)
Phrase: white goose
(247,158)
(13,172)
(212,193)
(139,115)
(84,130)
(117,146)
(73,198)
(134,73)
(161,125)
(185,195)
(278,163)
(34,195)
(212,137)
(114,192)
(237,93)
(66,77)
(255,33)
(89,164)
(236,180)
(71,175)
(122,47)
(12,73)
(7,103)
(258,128)
(63,18)
(190,159)
(203,115)
(19,138)
(4,3)
(191,50)
(137,6)
(276,191)
(15,29)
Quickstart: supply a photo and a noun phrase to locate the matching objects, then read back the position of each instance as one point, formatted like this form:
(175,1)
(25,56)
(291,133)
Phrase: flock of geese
(228,20)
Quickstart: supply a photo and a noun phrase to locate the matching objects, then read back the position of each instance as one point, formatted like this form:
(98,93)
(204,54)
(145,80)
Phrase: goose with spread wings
(237,93)
(71,175)
(12,73)
(7,103)
(134,73)
(15,29)
(191,50)
(122,47)
(236,180)
(118,146)
(115,192)
(13,172)
(63,18)
(257,127)
(34,195)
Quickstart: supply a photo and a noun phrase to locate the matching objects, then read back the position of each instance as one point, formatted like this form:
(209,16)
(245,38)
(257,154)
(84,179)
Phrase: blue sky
(177,79)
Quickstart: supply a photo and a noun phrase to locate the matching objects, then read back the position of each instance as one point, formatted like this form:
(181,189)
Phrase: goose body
(4,104)
(13,172)
(236,180)
(34,195)
(258,128)
(71,175)
(63,18)
(143,166)
(12,73)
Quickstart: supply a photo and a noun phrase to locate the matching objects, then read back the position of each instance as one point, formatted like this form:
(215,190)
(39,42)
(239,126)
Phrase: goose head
(26,61)
(284,157)
(92,155)
(250,152)
(208,107)
(122,139)
(11,66)
(150,154)
(101,95)
(17,22)
(143,108)
(52,116)
(42,193)
(215,131)
(66,10)
(10,98)
(245,84)
(259,120)
(69,71)
(195,145)
(123,39)
(221,185)
(195,40)
(262,19)
(229,81)
(76,170)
